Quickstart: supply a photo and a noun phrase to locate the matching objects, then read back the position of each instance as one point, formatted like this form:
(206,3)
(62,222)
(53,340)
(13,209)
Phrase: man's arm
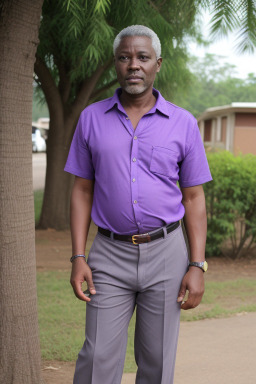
(195,221)
(80,218)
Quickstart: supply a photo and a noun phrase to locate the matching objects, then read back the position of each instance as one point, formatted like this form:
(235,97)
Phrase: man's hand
(81,272)
(193,281)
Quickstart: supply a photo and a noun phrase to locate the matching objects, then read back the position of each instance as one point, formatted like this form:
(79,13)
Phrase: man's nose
(134,64)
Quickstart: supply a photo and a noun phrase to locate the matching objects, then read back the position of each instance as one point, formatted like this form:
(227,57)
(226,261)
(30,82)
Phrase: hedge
(231,204)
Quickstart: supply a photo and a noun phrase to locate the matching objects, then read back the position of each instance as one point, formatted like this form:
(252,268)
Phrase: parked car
(38,141)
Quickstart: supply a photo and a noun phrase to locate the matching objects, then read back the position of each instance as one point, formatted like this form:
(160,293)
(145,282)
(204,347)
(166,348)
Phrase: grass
(224,299)
(62,319)
(61,315)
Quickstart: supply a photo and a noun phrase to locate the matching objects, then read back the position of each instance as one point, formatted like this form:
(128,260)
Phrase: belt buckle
(134,241)
(142,236)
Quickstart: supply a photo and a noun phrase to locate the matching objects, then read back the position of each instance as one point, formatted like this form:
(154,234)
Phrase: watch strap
(72,258)
(202,264)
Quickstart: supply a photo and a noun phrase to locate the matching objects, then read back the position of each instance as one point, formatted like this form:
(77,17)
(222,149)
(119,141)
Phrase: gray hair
(139,30)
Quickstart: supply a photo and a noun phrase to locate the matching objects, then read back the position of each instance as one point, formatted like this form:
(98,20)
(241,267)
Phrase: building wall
(245,133)
(223,129)
(245,120)
(235,132)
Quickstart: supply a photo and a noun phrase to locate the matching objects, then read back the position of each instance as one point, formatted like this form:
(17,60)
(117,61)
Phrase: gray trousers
(145,276)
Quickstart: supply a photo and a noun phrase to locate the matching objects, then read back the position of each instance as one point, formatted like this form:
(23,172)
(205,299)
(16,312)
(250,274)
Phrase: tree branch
(87,88)
(101,90)
(64,83)
(49,87)
(84,95)
(153,6)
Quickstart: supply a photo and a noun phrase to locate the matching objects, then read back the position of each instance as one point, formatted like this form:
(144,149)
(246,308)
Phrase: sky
(226,46)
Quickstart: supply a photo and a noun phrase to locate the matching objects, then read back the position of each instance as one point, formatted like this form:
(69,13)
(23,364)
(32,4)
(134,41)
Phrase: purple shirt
(136,171)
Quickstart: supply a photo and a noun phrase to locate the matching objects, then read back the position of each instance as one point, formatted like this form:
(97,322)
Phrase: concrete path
(214,351)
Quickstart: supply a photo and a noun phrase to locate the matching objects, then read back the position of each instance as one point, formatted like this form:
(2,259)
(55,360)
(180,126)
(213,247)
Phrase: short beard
(134,89)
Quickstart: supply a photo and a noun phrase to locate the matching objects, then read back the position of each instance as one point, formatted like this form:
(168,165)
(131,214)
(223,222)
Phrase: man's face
(136,64)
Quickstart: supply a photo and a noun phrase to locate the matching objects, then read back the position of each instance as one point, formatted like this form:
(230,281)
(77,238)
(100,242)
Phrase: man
(127,154)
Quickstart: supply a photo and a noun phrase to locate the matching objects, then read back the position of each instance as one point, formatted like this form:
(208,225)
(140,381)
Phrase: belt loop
(112,235)
(165,232)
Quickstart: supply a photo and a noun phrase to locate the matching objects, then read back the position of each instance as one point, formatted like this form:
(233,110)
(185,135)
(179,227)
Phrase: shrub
(231,204)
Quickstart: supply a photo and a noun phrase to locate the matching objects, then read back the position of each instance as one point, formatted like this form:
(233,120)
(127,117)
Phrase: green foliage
(214,84)
(231,203)
(234,16)
(76,36)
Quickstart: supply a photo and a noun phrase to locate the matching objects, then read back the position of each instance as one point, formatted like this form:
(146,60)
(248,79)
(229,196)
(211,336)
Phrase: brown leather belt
(143,237)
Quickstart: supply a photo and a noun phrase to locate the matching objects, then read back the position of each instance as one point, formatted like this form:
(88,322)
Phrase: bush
(231,204)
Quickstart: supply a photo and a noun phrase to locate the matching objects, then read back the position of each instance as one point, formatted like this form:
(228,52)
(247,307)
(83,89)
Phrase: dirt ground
(213,351)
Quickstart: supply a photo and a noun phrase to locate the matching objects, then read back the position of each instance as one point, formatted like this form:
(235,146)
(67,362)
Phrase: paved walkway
(221,351)
(214,351)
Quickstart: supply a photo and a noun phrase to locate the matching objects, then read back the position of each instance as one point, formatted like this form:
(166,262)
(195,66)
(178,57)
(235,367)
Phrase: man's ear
(159,63)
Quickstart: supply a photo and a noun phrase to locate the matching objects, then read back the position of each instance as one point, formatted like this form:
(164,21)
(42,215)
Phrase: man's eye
(123,58)
(143,58)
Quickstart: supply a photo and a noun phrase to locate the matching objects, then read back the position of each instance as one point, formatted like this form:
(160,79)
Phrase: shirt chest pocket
(164,161)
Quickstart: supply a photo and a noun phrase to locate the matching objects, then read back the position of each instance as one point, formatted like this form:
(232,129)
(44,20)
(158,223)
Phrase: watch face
(205,266)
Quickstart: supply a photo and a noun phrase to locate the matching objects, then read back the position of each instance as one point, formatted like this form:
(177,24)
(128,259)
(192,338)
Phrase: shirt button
(133,180)
(127,118)
(135,201)
(138,223)
(134,159)
(135,137)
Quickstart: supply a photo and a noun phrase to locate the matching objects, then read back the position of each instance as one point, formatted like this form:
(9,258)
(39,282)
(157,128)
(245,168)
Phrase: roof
(226,109)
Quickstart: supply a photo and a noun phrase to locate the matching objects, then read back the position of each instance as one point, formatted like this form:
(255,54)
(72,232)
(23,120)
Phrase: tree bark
(58,184)
(63,119)
(19,340)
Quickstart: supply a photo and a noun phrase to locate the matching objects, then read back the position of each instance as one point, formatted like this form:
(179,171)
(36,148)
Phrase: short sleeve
(79,161)
(194,169)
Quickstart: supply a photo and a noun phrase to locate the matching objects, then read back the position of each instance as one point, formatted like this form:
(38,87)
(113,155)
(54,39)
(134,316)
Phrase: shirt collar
(160,105)
(115,102)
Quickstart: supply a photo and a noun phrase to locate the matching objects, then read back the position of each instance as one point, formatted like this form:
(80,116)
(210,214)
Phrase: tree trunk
(58,184)
(63,119)
(19,341)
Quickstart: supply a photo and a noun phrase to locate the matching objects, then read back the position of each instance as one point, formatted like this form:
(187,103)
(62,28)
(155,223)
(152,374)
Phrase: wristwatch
(203,265)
